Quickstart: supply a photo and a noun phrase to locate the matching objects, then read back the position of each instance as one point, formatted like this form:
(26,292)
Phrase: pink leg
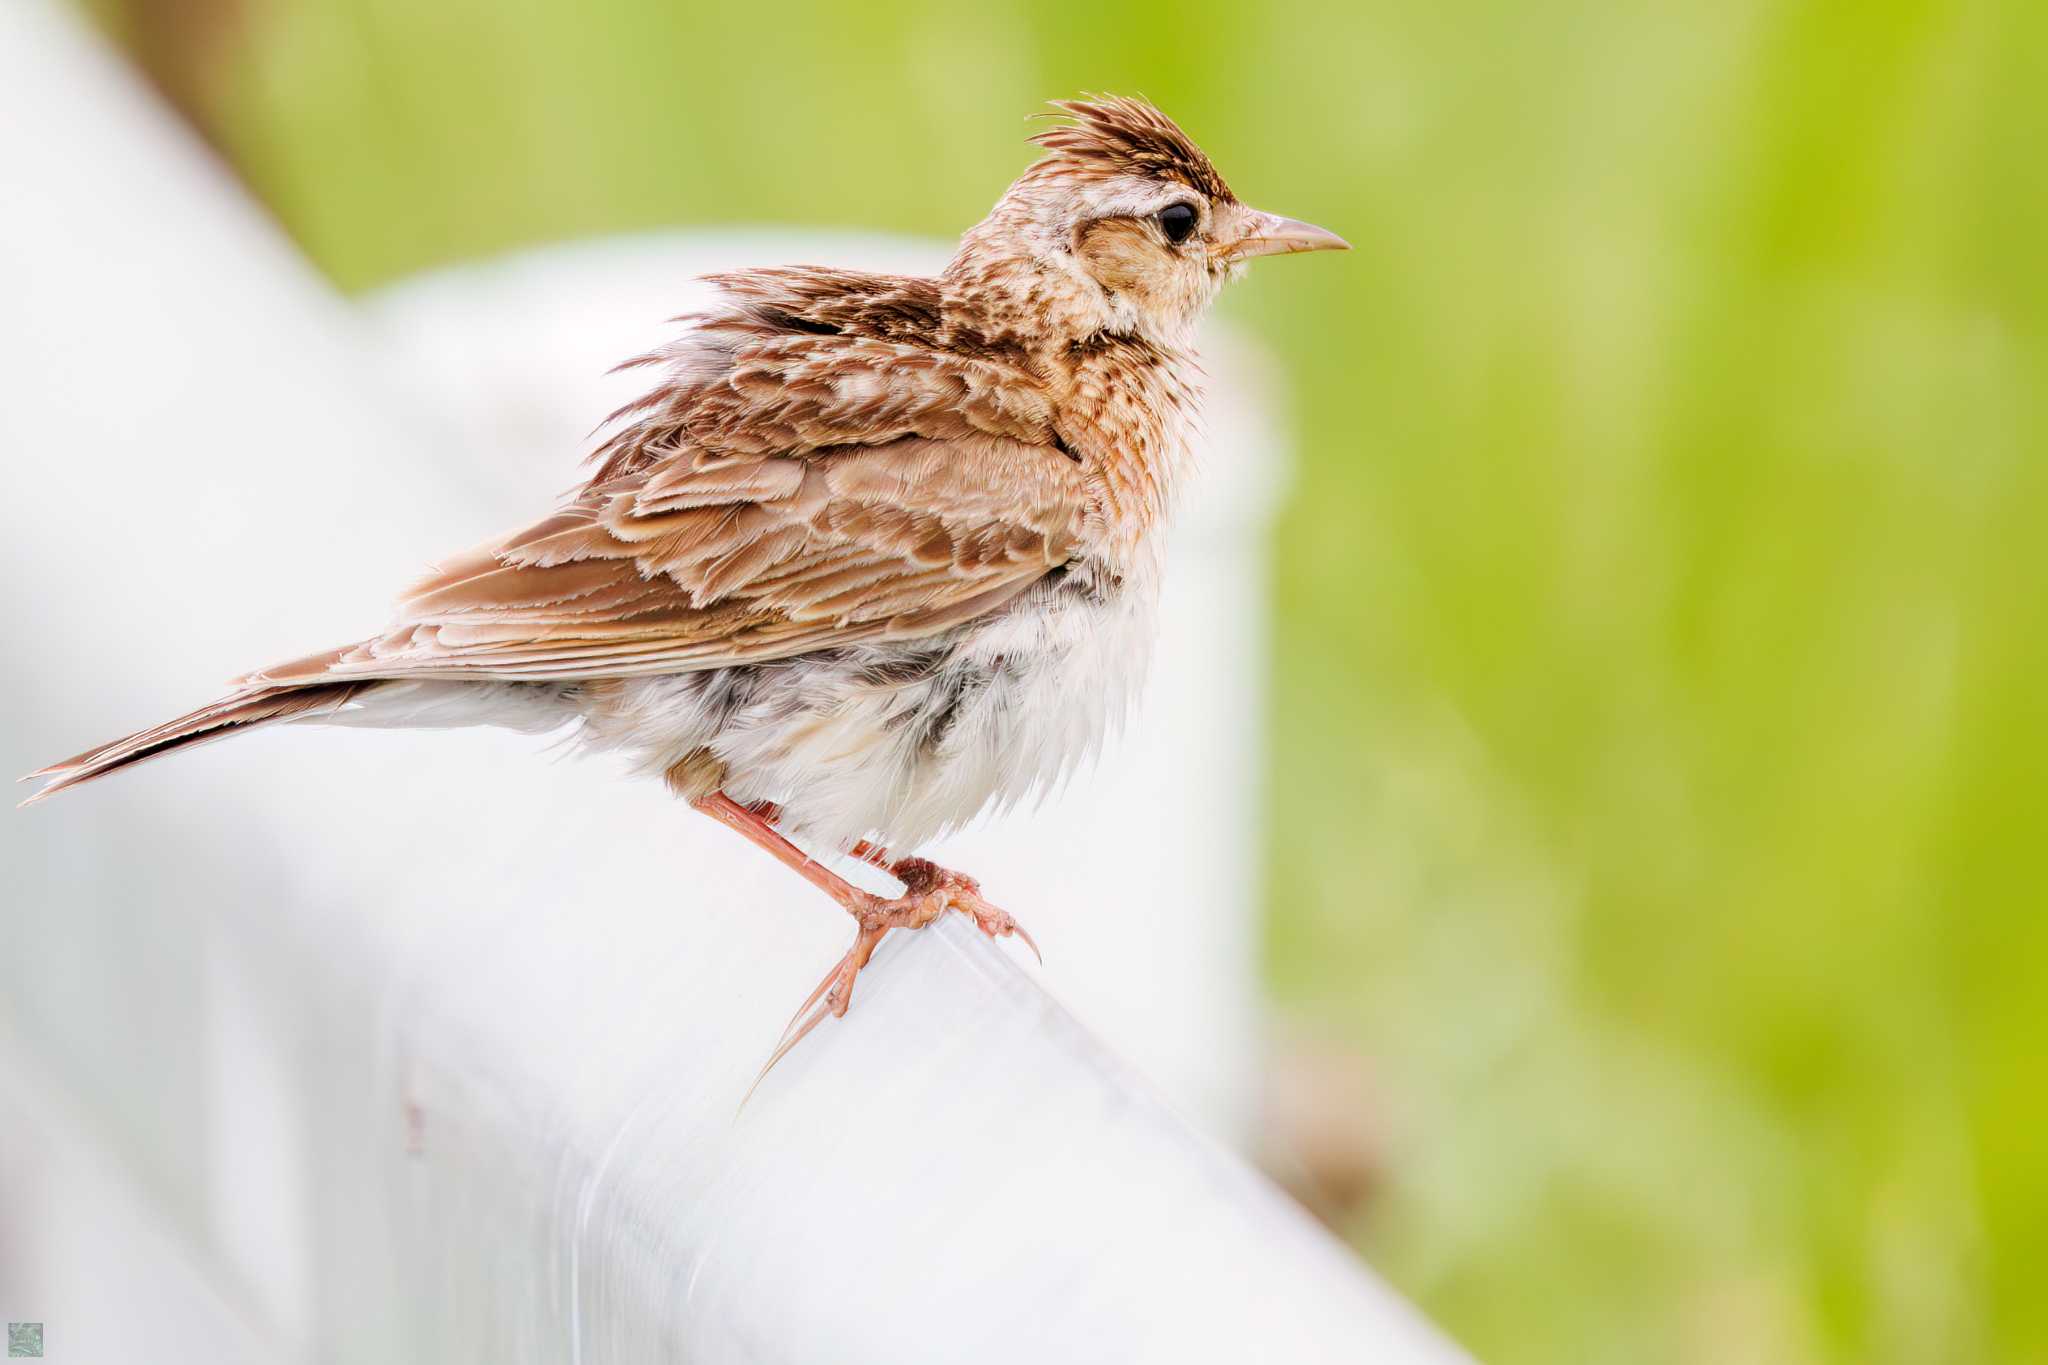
(757,829)
(928,892)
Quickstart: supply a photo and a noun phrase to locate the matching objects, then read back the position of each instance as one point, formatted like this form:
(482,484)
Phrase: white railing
(368,1047)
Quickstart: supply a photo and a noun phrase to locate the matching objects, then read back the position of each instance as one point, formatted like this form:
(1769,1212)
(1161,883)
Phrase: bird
(872,554)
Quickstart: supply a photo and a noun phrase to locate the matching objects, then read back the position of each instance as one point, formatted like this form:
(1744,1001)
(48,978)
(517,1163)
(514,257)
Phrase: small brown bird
(874,553)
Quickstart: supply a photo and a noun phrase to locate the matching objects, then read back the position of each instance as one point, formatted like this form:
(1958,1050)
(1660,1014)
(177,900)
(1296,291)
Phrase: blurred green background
(1659,724)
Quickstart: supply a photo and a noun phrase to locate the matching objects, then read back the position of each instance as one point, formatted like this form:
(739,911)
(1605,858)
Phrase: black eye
(1177,221)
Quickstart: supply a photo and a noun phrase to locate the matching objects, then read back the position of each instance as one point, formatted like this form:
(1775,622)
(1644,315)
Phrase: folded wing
(804,477)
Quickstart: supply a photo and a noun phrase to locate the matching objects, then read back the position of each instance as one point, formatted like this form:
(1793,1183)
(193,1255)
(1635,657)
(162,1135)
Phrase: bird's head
(1123,226)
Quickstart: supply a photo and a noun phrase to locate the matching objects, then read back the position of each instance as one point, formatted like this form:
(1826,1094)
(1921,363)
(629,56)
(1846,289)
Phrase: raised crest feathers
(1118,135)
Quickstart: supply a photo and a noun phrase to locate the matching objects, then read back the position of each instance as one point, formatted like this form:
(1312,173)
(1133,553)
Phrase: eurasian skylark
(873,553)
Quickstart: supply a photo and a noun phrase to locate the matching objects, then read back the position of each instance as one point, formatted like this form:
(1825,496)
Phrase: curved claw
(998,923)
(782,1049)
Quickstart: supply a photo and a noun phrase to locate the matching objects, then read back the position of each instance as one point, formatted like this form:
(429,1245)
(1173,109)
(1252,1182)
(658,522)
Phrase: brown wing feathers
(827,459)
(677,567)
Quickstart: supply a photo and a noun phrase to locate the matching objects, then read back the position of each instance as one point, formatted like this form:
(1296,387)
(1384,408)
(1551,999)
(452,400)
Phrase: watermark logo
(25,1339)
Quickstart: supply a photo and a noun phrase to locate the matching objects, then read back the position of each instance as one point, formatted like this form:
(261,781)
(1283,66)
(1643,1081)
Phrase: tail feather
(229,715)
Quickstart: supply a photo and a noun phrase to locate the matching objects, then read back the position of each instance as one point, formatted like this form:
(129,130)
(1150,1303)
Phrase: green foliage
(1660,714)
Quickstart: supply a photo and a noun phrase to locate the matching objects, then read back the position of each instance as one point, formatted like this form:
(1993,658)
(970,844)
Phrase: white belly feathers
(903,742)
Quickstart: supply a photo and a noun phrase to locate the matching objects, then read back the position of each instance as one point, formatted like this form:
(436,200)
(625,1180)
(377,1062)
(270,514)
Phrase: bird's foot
(922,877)
(929,891)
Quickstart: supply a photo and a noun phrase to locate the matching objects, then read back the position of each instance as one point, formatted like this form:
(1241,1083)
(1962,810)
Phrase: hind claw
(929,891)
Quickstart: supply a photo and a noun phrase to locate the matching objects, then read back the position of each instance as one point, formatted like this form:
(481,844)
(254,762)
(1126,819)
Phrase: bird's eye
(1177,221)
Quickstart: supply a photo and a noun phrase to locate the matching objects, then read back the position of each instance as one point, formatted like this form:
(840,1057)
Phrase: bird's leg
(929,891)
(918,875)
(770,814)
(756,829)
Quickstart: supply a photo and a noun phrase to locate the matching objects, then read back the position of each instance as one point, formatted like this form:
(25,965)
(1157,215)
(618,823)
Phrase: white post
(415,1047)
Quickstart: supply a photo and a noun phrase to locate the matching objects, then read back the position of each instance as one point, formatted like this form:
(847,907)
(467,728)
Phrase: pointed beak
(1268,234)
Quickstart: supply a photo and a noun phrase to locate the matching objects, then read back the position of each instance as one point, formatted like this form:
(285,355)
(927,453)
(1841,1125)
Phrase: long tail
(230,715)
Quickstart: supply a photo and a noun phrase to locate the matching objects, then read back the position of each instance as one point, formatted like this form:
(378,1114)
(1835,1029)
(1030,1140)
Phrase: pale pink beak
(1268,234)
